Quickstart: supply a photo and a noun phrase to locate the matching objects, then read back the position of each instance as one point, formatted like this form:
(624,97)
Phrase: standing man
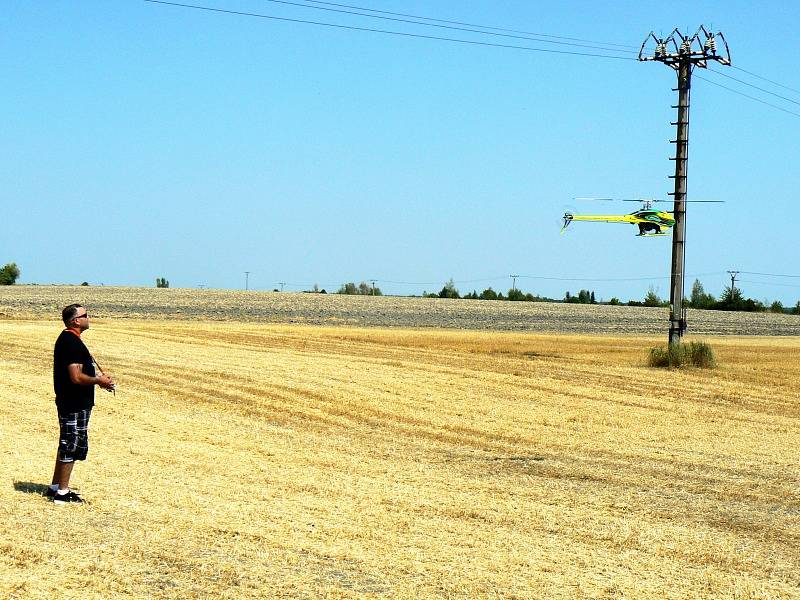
(74,376)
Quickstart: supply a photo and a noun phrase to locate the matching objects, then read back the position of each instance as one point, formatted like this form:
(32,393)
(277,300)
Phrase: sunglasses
(81,316)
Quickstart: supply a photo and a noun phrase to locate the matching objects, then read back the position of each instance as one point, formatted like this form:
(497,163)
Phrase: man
(74,376)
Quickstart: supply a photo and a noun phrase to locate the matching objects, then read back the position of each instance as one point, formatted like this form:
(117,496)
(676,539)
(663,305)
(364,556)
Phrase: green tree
(161,282)
(614,301)
(652,299)
(362,289)
(583,297)
(9,274)
(516,295)
(776,307)
(796,309)
(700,299)
(731,299)
(697,294)
(488,294)
(449,290)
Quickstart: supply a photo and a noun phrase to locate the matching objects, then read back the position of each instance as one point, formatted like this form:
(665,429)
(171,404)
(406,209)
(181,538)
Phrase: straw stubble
(252,460)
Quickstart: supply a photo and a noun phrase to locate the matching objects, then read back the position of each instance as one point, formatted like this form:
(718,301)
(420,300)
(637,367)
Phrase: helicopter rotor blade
(645,200)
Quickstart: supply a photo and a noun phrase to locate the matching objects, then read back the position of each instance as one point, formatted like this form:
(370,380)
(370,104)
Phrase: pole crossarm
(697,49)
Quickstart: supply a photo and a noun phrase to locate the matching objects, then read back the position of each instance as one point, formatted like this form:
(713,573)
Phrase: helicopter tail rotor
(566,221)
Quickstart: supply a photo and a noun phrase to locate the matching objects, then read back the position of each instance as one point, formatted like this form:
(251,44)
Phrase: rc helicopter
(651,222)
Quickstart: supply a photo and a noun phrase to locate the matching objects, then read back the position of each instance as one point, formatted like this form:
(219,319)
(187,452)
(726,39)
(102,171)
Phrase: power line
(538,277)
(748,96)
(452,27)
(384,31)
(769,274)
(765,79)
(771,283)
(459,281)
(756,87)
(559,37)
(593,279)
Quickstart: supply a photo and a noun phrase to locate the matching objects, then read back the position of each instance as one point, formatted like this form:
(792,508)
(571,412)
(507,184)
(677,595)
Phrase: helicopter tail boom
(604,218)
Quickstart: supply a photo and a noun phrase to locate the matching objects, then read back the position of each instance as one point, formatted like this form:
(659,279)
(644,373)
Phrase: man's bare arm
(78,377)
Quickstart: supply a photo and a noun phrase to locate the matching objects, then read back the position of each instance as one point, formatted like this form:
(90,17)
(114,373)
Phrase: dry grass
(256,461)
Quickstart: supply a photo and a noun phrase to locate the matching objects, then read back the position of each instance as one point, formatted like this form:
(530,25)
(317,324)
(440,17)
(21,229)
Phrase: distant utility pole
(514,282)
(682,53)
(281,283)
(733,275)
(247,280)
(373,285)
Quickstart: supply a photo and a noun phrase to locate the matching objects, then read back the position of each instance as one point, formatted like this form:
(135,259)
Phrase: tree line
(732,298)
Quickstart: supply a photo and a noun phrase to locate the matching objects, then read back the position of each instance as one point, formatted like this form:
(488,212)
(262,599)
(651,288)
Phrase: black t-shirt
(71,350)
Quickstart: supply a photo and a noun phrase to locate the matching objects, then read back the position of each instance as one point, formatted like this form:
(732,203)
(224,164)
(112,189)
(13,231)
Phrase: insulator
(661,49)
(686,46)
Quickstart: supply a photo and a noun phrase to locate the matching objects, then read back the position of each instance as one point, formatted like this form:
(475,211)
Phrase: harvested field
(255,460)
(381,311)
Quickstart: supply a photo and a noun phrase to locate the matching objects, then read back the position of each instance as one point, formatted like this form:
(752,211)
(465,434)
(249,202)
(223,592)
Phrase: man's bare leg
(62,474)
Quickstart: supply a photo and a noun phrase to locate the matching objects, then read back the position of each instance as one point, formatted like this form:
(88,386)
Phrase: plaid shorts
(73,438)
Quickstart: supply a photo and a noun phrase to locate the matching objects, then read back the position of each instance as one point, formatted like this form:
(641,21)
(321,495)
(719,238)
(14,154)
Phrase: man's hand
(78,377)
(105,382)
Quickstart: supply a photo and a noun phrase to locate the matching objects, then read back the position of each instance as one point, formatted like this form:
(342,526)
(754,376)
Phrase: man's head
(76,317)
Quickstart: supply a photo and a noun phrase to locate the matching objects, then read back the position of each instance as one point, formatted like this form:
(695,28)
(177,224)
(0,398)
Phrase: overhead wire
(459,281)
(386,12)
(383,31)
(771,283)
(612,279)
(475,42)
(730,89)
(538,277)
(768,274)
(451,27)
(765,79)
(754,86)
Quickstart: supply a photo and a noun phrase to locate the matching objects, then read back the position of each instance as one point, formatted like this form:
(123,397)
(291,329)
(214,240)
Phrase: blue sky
(144,140)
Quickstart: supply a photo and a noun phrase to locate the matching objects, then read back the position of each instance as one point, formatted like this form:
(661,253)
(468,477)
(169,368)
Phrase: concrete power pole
(733,275)
(682,53)
(247,280)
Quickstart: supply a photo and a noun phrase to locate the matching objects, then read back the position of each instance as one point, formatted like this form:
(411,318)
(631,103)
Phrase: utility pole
(282,283)
(733,275)
(247,280)
(682,53)
(373,285)
(514,282)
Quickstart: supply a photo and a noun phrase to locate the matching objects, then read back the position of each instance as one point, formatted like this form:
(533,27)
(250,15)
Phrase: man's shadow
(28,487)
